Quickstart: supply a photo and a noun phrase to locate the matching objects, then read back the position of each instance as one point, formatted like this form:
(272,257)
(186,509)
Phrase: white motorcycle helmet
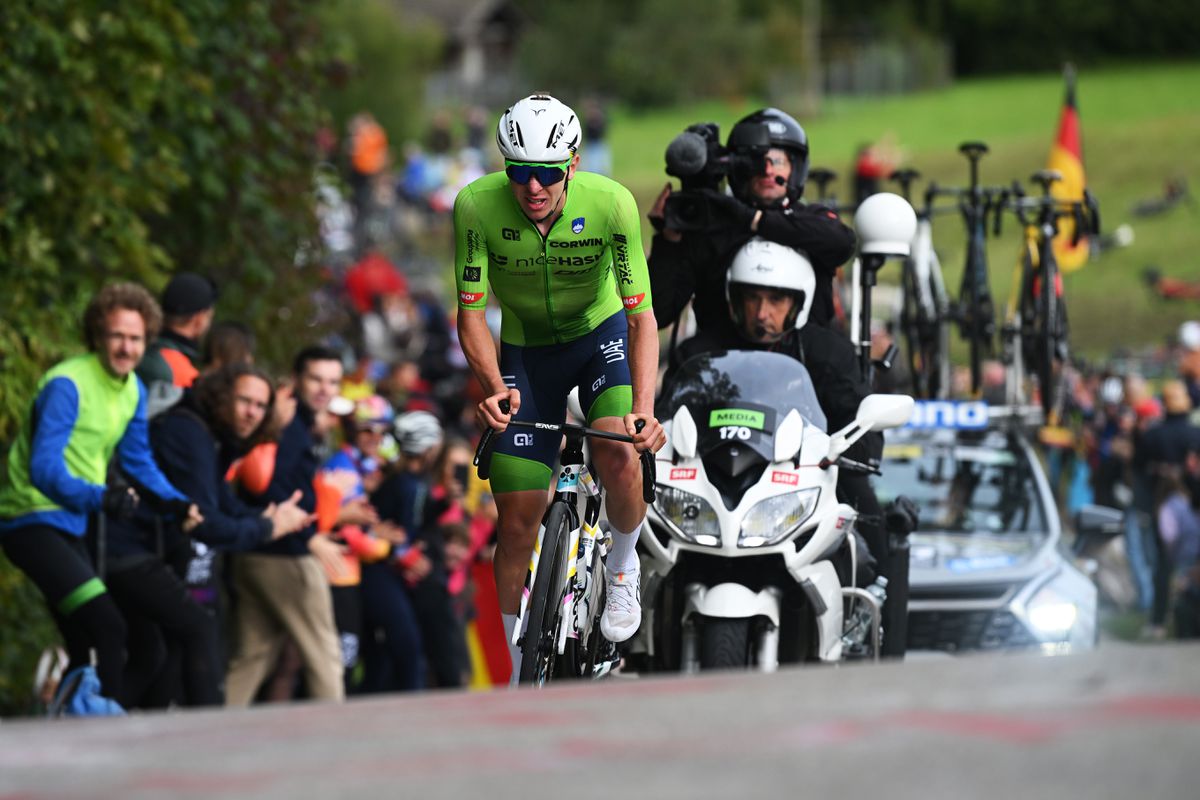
(773,266)
(540,130)
(886,224)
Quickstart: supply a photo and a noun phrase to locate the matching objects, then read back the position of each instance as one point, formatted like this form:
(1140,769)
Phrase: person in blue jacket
(88,409)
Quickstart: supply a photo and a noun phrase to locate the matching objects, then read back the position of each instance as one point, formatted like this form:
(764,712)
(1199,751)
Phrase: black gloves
(119,503)
(901,516)
(727,210)
(172,509)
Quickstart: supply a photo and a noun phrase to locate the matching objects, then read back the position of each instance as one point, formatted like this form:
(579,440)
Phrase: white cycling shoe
(623,608)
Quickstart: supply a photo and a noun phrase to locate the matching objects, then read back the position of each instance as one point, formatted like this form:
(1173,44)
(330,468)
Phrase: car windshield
(963,486)
(741,378)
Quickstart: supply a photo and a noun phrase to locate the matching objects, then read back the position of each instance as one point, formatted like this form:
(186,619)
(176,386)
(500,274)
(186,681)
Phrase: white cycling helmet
(774,266)
(539,129)
(886,224)
(1189,335)
(417,432)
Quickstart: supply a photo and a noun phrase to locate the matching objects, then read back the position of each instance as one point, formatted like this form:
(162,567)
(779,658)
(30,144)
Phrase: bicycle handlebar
(487,443)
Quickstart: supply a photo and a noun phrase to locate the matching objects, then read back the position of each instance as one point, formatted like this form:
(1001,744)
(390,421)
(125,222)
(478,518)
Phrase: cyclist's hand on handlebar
(491,415)
(651,437)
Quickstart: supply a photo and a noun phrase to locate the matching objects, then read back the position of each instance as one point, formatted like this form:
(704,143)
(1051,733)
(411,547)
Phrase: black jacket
(696,265)
(193,458)
(296,464)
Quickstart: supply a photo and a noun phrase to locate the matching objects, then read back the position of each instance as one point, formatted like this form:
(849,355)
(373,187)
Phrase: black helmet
(766,128)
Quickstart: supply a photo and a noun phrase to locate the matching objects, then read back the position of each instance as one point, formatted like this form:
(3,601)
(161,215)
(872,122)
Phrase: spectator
(595,156)
(195,441)
(1163,450)
(87,409)
(1189,359)
(405,499)
(227,343)
(360,461)
(172,362)
(281,588)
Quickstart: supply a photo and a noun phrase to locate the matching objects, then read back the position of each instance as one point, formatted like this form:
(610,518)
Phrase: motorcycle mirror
(879,411)
(683,433)
(875,412)
(788,436)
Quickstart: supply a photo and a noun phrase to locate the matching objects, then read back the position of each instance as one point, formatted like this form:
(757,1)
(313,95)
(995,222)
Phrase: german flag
(1066,156)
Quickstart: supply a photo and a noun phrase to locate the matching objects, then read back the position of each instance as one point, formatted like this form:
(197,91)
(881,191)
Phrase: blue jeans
(1140,553)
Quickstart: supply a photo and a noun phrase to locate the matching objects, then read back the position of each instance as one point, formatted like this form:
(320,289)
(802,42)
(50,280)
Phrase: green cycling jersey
(556,288)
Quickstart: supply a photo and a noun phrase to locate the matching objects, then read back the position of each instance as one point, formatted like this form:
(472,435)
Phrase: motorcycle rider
(769,291)
(691,265)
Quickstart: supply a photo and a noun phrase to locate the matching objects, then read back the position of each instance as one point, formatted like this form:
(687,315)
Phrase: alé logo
(634,301)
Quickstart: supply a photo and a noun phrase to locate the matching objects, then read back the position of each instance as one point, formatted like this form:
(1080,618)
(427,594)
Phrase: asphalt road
(1123,722)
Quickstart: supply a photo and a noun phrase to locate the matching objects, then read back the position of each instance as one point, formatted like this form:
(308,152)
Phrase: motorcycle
(738,567)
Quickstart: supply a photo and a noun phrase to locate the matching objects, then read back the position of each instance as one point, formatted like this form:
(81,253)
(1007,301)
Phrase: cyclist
(88,409)
(691,265)
(562,252)
(769,290)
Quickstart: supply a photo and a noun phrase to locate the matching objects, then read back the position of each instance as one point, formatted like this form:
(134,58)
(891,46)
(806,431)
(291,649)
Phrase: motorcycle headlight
(772,520)
(689,516)
(1051,615)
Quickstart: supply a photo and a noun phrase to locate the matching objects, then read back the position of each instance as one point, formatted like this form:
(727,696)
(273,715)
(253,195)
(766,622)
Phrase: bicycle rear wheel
(539,649)
(910,329)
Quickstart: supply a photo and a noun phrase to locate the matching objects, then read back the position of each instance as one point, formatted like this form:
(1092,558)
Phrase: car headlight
(689,516)
(1051,615)
(772,520)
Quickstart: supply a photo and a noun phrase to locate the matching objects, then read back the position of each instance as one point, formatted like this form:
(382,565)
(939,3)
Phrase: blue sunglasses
(547,174)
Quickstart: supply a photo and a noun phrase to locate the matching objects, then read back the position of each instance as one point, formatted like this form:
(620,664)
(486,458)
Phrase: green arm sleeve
(470,253)
(629,259)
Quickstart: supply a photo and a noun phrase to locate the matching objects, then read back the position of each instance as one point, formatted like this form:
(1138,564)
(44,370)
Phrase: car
(988,567)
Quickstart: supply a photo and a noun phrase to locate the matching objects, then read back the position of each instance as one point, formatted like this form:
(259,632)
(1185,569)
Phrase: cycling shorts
(597,362)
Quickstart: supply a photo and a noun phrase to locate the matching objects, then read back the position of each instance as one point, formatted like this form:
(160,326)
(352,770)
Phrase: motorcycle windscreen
(737,399)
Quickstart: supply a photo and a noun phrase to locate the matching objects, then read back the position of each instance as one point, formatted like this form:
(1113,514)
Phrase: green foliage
(658,52)
(389,58)
(137,139)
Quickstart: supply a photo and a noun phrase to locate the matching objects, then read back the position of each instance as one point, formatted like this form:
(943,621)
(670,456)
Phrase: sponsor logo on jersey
(594,241)
(574,261)
(522,439)
(472,274)
(497,259)
(467,298)
(511,234)
(634,301)
(621,250)
(683,474)
(790,478)
(613,351)
(577,225)
(473,245)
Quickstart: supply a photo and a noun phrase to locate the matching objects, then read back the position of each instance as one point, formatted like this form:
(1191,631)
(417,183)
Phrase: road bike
(1038,312)
(975,310)
(925,304)
(558,625)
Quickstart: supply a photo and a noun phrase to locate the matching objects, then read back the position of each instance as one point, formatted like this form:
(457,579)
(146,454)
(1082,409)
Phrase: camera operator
(699,229)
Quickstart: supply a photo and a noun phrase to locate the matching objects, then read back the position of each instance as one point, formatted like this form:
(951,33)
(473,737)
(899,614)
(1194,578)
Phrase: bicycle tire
(1047,345)
(910,329)
(539,653)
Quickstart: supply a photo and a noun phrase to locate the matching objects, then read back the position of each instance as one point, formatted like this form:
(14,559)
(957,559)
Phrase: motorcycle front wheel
(725,644)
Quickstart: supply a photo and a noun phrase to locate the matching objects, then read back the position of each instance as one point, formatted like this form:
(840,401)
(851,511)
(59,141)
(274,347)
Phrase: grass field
(1141,125)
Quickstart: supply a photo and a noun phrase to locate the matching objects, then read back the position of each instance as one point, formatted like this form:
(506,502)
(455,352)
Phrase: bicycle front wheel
(539,649)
